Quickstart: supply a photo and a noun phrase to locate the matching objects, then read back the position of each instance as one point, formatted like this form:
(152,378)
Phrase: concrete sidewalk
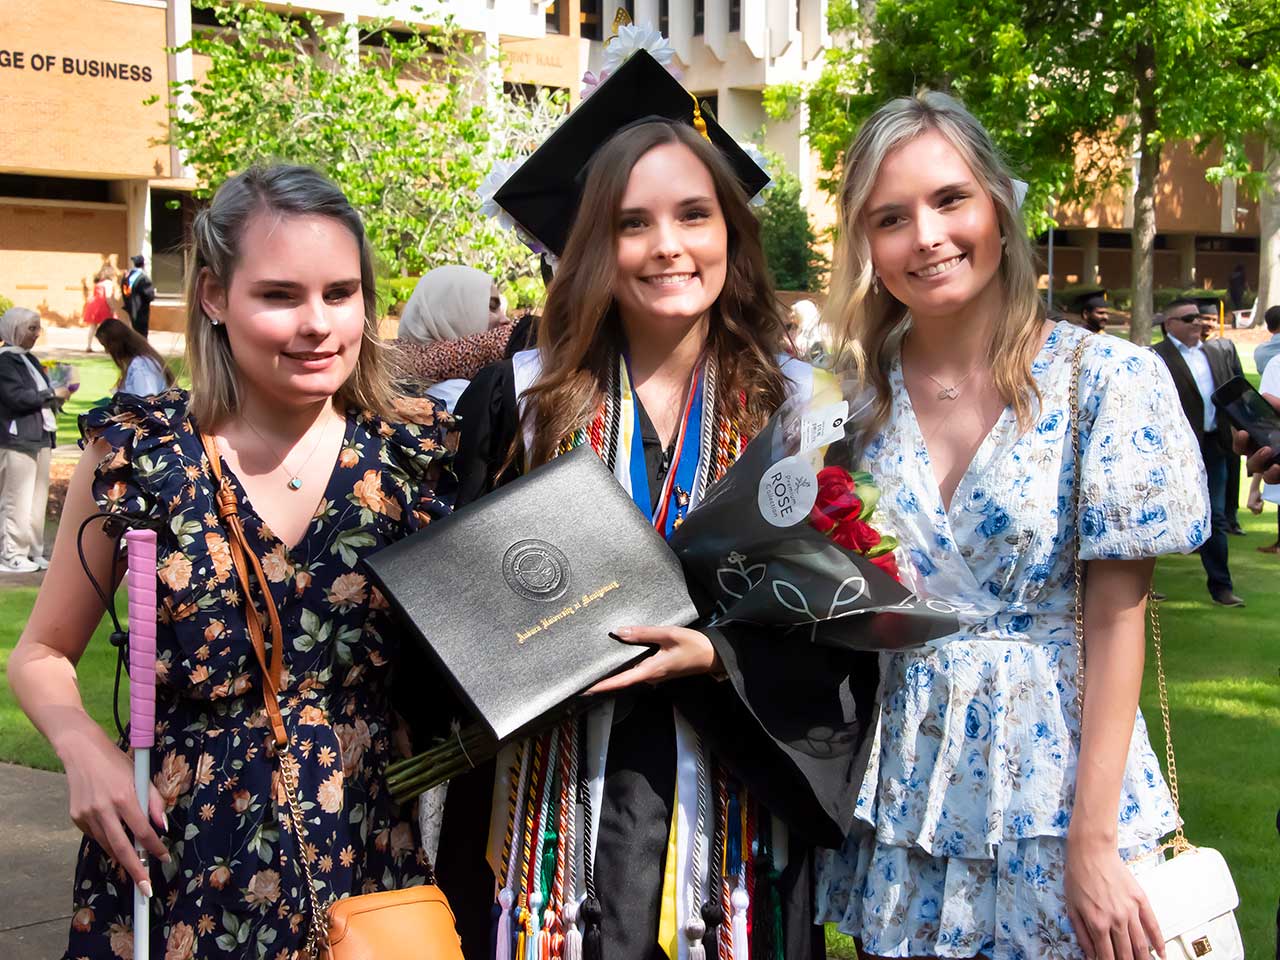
(38,847)
(59,342)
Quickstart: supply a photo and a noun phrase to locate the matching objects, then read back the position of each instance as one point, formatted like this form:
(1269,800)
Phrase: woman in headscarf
(27,429)
(453,325)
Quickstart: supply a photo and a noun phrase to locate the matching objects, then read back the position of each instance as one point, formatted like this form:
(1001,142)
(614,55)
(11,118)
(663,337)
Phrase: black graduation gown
(787,722)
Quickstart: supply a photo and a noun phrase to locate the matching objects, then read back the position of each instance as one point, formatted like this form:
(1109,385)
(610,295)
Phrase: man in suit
(1196,373)
(138,293)
(1231,357)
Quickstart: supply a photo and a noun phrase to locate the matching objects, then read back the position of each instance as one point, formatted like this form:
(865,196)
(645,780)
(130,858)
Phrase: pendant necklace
(295,479)
(953,391)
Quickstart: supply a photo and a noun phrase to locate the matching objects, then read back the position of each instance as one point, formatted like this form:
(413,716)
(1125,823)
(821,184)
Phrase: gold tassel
(698,123)
(620,19)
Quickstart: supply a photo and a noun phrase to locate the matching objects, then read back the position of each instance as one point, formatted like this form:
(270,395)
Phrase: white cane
(142,701)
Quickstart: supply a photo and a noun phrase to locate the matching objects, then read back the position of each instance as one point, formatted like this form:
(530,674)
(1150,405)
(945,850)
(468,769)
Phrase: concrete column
(180,70)
(1185,244)
(1089,253)
(136,196)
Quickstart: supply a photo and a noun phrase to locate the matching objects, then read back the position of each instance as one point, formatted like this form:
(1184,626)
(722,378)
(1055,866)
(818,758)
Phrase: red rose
(856,535)
(837,500)
(888,564)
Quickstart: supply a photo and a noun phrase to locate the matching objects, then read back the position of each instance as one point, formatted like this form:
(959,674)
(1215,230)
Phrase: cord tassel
(572,935)
(592,937)
(502,942)
(741,901)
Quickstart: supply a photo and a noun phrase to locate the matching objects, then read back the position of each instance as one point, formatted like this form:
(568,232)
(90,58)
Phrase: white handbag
(1190,890)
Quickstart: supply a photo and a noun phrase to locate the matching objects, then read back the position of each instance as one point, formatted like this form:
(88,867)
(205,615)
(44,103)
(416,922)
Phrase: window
(664,17)
(555,22)
(171,212)
(591,20)
(735,15)
(54,188)
(699,17)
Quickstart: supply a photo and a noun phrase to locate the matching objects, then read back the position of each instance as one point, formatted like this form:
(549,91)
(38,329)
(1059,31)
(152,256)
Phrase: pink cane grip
(142,638)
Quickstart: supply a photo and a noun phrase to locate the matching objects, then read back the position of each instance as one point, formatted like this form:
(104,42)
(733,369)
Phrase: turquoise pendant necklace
(295,479)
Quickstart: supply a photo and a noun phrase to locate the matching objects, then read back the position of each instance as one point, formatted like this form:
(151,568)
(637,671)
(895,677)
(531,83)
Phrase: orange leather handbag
(415,922)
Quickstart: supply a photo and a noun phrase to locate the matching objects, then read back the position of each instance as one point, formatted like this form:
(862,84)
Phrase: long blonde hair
(580,332)
(869,325)
(216,236)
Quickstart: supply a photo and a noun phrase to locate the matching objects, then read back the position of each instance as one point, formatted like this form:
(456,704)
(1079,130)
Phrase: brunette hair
(284,190)
(580,332)
(869,325)
(124,345)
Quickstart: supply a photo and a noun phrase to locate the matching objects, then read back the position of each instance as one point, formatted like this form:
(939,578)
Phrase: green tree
(408,122)
(1045,79)
(788,238)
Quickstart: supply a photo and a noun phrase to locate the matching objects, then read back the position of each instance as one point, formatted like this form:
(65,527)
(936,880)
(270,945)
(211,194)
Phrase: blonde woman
(998,818)
(287,388)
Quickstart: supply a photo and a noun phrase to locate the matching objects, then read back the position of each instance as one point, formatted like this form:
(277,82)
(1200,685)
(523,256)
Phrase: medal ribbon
(683,469)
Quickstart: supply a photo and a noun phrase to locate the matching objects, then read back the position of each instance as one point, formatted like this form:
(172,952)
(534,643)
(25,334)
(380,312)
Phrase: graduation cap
(542,196)
(1091,301)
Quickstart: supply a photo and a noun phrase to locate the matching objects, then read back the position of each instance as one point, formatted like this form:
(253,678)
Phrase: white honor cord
(691,839)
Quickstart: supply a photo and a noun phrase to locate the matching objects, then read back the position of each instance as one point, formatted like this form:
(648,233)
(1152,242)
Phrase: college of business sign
(42,61)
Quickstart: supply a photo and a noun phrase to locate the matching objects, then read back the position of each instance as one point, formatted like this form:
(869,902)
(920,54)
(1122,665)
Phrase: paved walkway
(38,846)
(61,341)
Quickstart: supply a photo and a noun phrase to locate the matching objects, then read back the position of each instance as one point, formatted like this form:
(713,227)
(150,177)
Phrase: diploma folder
(514,595)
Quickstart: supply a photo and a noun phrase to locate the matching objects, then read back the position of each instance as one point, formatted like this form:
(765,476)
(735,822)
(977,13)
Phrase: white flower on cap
(500,174)
(631,38)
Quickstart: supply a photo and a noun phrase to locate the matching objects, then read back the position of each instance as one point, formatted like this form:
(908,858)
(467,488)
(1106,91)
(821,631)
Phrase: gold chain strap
(318,928)
(1179,843)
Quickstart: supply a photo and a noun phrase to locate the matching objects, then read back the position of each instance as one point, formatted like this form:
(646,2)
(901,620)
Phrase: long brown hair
(580,332)
(124,345)
(868,324)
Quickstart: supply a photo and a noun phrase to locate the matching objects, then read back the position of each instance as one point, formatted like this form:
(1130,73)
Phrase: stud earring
(215,322)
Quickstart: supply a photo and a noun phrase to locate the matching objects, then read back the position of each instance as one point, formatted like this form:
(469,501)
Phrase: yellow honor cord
(668,922)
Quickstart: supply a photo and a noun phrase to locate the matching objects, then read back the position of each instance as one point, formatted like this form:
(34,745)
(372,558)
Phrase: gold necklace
(295,479)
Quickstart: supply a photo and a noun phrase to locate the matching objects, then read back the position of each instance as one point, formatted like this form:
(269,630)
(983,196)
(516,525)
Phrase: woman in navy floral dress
(225,868)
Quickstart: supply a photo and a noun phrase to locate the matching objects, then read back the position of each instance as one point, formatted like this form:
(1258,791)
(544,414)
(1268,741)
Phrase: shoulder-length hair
(869,325)
(580,332)
(216,247)
(124,345)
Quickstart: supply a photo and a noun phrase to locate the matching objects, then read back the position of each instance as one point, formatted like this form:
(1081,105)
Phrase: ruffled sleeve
(417,456)
(1144,489)
(152,448)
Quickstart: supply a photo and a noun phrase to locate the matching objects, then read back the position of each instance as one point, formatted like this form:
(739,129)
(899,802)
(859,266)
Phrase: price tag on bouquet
(788,491)
(823,426)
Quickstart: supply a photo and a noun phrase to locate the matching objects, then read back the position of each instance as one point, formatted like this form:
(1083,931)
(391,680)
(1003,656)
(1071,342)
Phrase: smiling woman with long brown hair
(657,348)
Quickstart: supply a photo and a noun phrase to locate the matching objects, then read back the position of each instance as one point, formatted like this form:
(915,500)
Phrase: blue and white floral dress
(969,787)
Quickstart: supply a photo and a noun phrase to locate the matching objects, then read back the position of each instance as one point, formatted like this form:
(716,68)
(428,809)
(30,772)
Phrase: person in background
(1095,312)
(1196,374)
(99,305)
(143,371)
(1226,347)
(138,292)
(453,325)
(1237,286)
(1264,351)
(27,430)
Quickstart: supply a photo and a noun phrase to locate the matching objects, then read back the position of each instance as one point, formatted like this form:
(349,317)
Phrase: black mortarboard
(542,195)
(1092,300)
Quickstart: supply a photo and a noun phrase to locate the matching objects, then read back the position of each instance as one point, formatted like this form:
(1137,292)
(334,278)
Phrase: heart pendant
(295,484)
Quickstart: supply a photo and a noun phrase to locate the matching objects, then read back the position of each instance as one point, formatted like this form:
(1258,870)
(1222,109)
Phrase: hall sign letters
(74,66)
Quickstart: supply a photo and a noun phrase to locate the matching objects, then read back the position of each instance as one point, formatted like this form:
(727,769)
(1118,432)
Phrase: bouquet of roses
(786,538)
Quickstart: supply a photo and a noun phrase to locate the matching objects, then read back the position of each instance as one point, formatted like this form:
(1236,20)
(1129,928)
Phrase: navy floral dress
(232,886)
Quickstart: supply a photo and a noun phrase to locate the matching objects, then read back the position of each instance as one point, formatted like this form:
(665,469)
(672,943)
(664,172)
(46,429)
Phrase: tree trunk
(1144,197)
(1269,237)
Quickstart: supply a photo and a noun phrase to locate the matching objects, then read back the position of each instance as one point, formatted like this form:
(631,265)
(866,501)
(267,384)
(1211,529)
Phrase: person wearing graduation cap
(1095,312)
(721,759)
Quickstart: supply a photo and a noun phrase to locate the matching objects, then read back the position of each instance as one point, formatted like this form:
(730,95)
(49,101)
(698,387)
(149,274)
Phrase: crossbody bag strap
(1179,842)
(245,563)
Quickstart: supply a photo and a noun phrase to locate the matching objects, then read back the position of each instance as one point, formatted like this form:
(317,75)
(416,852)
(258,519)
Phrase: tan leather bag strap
(1179,842)
(245,562)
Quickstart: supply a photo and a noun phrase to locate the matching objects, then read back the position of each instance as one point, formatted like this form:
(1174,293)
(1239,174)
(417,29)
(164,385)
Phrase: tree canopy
(407,121)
